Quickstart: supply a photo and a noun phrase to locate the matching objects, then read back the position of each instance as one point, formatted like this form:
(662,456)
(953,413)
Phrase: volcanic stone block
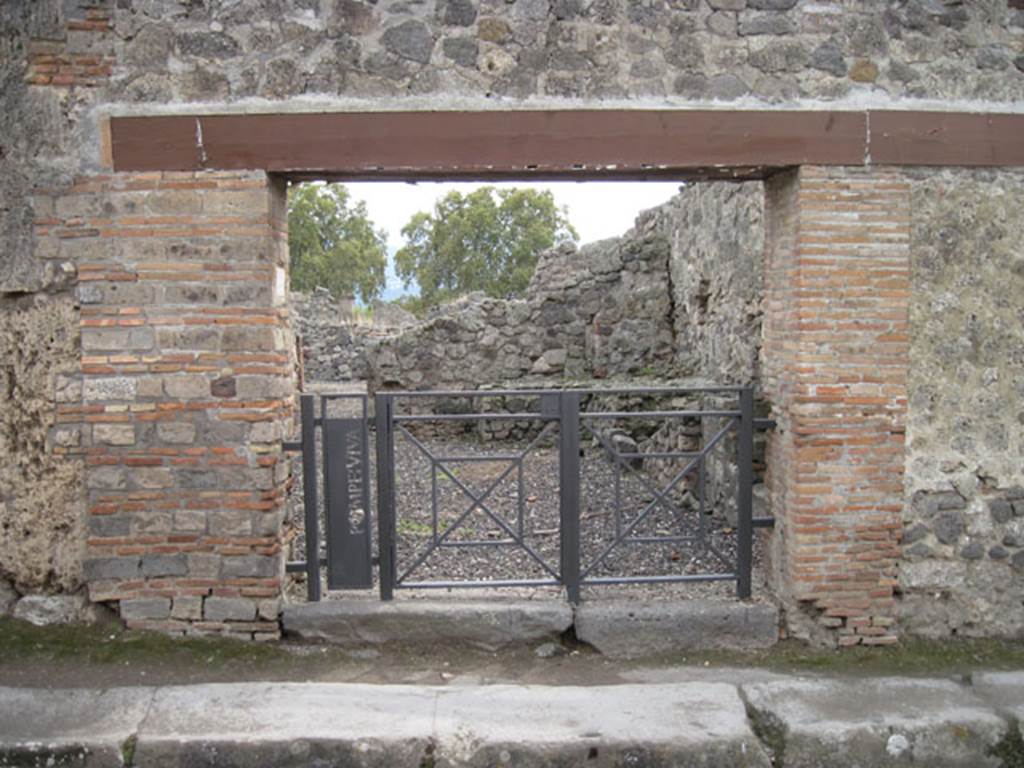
(489,624)
(631,629)
(164,565)
(882,721)
(229,609)
(146,608)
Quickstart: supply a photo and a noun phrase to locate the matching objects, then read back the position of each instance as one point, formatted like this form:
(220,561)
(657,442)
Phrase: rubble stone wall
(334,341)
(66,62)
(716,235)
(603,311)
(677,296)
(963,540)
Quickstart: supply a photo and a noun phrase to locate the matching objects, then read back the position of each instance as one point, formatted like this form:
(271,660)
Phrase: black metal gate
(556,417)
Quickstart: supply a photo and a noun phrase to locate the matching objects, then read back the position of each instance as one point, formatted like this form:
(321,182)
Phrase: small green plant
(413,528)
(128,750)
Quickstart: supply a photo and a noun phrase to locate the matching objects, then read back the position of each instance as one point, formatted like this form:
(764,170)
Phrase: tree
(333,243)
(488,240)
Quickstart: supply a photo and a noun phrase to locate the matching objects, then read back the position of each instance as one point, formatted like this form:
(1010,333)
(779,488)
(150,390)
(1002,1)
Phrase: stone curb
(377,726)
(798,722)
(619,629)
(623,629)
(879,721)
(80,727)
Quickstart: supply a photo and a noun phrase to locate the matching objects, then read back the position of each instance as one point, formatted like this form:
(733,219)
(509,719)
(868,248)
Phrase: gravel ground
(475,545)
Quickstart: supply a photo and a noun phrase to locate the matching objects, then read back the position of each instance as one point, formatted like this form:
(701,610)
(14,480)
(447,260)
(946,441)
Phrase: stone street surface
(776,720)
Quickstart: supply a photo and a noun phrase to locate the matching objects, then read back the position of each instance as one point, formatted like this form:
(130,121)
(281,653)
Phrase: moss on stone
(912,656)
(110,644)
(1010,749)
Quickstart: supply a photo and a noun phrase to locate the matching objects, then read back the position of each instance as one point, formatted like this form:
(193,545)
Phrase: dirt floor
(105,655)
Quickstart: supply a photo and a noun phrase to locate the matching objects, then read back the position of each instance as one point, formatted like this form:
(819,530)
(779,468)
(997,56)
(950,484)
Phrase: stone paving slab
(372,725)
(679,724)
(1003,690)
(69,727)
(290,724)
(874,722)
(489,624)
(801,722)
(626,629)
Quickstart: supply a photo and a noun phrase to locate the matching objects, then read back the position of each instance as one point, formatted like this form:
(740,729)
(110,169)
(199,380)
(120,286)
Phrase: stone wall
(66,64)
(774,50)
(603,311)
(65,60)
(963,568)
(42,142)
(677,296)
(716,234)
(333,340)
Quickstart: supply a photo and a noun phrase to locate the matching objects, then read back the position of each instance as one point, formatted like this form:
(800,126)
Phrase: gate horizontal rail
(556,407)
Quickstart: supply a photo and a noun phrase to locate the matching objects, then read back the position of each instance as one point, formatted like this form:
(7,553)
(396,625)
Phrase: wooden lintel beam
(579,144)
(946,139)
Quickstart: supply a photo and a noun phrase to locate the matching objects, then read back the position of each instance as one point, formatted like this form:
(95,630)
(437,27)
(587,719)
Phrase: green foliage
(362,314)
(333,243)
(413,304)
(488,240)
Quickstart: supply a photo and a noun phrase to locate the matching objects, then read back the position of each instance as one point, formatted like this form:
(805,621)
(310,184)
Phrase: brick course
(835,361)
(185,494)
(80,52)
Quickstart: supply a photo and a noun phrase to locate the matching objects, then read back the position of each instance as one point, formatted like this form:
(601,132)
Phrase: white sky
(597,209)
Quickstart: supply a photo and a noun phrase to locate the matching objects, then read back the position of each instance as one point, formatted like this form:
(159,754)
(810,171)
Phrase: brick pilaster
(835,369)
(187,378)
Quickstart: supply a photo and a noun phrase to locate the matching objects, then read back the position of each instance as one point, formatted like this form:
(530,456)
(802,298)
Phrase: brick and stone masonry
(186,378)
(67,65)
(77,52)
(835,359)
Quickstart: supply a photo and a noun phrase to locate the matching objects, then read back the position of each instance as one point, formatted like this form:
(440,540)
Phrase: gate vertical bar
(569,491)
(310,498)
(383,414)
(744,494)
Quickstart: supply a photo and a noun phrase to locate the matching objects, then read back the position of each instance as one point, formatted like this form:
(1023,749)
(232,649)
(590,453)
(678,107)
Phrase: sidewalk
(788,720)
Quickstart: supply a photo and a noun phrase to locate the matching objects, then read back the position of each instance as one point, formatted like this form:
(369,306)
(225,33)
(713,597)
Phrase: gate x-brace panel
(347,503)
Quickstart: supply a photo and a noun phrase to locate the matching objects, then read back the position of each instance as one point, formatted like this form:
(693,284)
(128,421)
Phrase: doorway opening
(479,309)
